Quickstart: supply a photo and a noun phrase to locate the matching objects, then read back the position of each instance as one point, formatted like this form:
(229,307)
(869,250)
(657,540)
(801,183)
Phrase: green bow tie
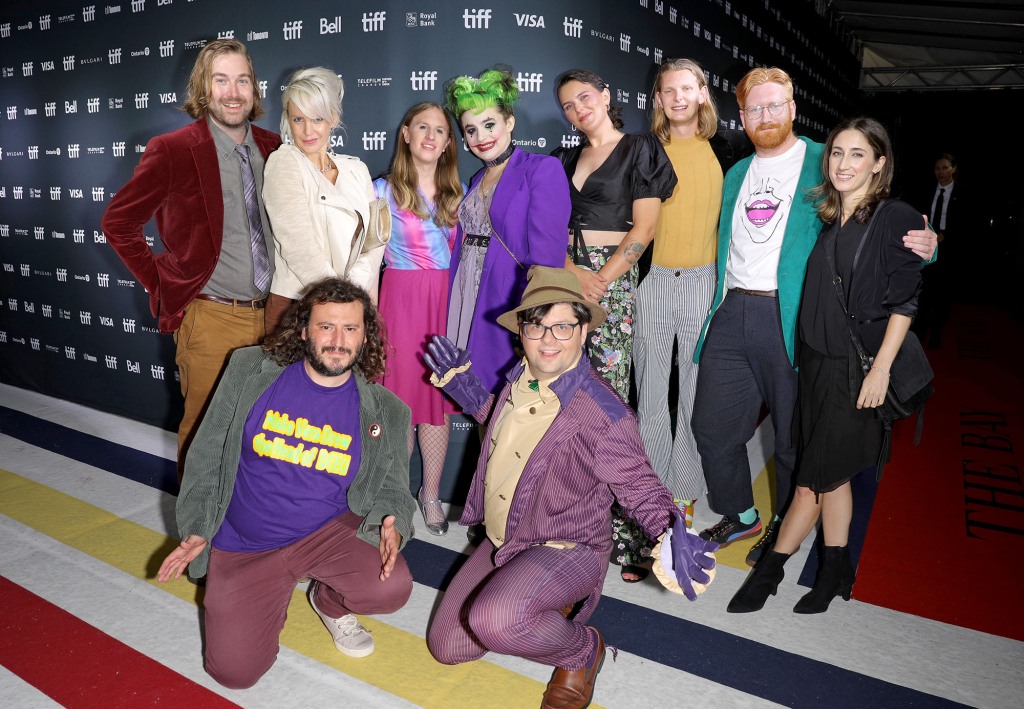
(534,385)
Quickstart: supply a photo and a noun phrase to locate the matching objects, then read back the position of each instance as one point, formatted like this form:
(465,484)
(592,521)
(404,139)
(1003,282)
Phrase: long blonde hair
(707,114)
(404,180)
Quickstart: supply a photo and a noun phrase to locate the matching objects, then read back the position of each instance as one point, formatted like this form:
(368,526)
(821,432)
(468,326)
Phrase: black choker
(501,158)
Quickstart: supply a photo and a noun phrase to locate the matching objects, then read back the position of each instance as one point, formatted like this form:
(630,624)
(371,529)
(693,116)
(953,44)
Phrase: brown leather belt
(254,304)
(762,293)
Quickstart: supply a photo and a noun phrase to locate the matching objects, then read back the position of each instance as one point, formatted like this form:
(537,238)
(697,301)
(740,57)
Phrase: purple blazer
(530,212)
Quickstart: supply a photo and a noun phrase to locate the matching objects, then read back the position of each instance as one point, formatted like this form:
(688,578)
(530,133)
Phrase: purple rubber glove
(688,558)
(442,355)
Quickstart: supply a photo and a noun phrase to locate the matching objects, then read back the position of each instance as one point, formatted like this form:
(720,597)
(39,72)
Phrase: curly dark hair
(286,346)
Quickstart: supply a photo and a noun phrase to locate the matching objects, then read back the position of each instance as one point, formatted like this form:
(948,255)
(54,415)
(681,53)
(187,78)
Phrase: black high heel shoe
(835,578)
(762,582)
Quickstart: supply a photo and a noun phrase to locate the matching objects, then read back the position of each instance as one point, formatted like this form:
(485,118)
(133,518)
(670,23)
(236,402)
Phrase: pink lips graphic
(761,212)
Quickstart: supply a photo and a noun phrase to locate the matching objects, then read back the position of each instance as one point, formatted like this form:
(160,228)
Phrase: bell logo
(476,19)
(89,13)
(71,106)
(114,56)
(624,42)
(133,367)
(50,109)
(142,101)
(26,68)
(118,149)
(167,98)
(423,80)
(374,21)
(55,194)
(111,361)
(374,140)
(529,20)
(572,27)
(659,6)
(74,149)
(329,27)
(529,83)
(293,30)
(167,48)
(98,237)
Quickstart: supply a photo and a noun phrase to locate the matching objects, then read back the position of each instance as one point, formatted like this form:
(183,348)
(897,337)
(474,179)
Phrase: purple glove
(443,356)
(688,558)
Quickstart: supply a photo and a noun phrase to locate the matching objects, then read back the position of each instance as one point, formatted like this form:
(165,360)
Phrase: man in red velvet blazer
(202,184)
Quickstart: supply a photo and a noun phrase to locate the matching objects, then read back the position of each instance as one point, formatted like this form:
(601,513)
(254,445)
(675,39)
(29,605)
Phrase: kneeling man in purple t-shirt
(299,469)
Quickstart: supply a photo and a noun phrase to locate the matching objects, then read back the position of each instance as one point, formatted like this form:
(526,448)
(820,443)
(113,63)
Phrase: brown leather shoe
(573,689)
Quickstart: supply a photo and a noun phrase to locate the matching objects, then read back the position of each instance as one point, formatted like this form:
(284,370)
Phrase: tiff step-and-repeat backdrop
(85,85)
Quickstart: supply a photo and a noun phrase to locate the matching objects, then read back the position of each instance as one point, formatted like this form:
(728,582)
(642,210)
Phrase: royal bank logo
(532,21)
(111,361)
(641,100)
(171,97)
(529,83)
(35,193)
(74,150)
(142,101)
(62,275)
(44,22)
(114,55)
(103,280)
(293,30)
(12,113)
(423,80)
(138,5)
(374,21)
(71,106)
(157,371)
(118,149)
(572,27)
(7,72)
(89,13)
(374,140)
(332,26)
(78,236)
(624,40)
(33,152)
(476,19)
(93,105)
(55,194)
(166,48)
(39,232)
(50,109)
(622,96)
(26,68)
(97,194)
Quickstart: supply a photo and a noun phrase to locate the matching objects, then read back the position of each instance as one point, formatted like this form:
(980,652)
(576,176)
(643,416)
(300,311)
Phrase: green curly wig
(493,88)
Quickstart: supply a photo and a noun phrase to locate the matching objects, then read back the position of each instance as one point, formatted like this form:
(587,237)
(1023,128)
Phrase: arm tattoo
(633,252)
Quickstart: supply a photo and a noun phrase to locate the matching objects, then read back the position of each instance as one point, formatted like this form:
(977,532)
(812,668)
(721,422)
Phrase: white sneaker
(350,637)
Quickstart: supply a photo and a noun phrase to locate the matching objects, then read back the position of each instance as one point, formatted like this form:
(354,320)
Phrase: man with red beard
(746,351)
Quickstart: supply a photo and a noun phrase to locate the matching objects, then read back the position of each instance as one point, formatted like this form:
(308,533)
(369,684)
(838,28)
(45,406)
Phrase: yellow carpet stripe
(735,555)
(402,665)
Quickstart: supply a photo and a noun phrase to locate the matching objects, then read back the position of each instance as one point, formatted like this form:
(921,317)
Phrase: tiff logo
(85,317)
(529,83)
(34,342)
(44,22)
(643,3)
(167,48)
(12,113)
(118,149)
(641,100)
(138,5)
(69,352)
(12,304)
(40,232)
(93,105)
(89,13)
(69,62)
(71,106)
(293,30)
(111,362)
(33,152)
(624,42)
(47,311)
(128,324)
(476,19)
(374,21)
(26,68)
(50,109)
(114,56)
(263,88)
(103,280)
(78,235)
(226,34)
(142,100)
(97,194)
(133,367)
(5,30)
(18,192)
(3,336)
(374,140)
(423,80)
(573,27)
(74,149)
(570,141)
(62,275)
(5,230)
(157,371)
(672,15)
(26,270)
(657,56)
(55,194)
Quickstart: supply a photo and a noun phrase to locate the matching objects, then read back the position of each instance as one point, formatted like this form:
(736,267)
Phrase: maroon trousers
(247,595)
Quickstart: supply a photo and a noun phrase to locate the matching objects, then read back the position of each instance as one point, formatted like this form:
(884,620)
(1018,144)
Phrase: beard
(769,136)
(320,366)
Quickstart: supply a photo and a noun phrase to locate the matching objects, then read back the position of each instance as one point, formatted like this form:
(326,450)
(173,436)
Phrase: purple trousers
(247,595)
(515,609)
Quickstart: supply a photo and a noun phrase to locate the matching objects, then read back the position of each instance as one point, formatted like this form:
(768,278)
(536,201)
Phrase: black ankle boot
(762,582)
(835,578)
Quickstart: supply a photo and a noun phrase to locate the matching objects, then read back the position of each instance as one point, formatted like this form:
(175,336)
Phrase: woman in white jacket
(319,202)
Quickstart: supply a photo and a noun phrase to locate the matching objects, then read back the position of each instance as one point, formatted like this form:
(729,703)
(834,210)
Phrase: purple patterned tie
(260,259)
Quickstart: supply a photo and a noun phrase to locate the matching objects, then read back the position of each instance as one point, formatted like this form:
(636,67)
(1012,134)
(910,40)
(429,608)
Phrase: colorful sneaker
(350,637)
(730,529)
(766,542)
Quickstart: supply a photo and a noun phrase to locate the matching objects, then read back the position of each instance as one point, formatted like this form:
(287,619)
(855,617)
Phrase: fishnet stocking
(433,450)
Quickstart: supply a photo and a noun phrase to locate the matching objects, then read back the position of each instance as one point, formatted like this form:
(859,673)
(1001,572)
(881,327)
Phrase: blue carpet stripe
(729,660)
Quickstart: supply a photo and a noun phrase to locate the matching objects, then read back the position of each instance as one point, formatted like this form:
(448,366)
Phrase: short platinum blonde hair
(316,91)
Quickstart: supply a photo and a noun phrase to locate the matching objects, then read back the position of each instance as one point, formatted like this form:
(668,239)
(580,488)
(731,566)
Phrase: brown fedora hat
(547,286)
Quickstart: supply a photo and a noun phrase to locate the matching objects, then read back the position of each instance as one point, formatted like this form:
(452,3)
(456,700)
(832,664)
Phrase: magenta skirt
(414,308)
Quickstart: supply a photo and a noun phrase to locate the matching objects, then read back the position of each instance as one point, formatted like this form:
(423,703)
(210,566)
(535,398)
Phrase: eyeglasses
(560,331)
(774,109)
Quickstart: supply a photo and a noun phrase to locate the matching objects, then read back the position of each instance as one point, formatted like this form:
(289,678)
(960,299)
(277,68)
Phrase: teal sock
(748,516)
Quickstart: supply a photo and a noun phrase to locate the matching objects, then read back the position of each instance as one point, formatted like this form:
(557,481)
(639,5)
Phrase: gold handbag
(378,231)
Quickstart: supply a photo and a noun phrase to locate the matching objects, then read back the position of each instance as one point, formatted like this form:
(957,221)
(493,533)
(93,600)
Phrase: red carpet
(946,539)
(77,665)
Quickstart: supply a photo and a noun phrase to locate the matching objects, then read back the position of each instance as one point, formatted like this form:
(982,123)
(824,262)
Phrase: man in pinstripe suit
(560,446)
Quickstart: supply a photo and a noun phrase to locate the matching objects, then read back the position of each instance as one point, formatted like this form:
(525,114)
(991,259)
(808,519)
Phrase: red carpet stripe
(77,665)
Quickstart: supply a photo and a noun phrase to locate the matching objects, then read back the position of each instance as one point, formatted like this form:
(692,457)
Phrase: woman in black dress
(838,432)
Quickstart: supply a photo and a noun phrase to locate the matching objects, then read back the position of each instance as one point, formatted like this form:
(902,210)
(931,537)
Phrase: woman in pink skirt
(424,191)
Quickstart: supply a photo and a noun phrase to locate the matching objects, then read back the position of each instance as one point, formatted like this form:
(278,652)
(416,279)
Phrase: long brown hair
(200,83)
(828,198)
(707,114)
(286,346)
(404,179)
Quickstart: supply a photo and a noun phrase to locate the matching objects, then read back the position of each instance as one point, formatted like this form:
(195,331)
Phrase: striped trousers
(671,305)
(515,609)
